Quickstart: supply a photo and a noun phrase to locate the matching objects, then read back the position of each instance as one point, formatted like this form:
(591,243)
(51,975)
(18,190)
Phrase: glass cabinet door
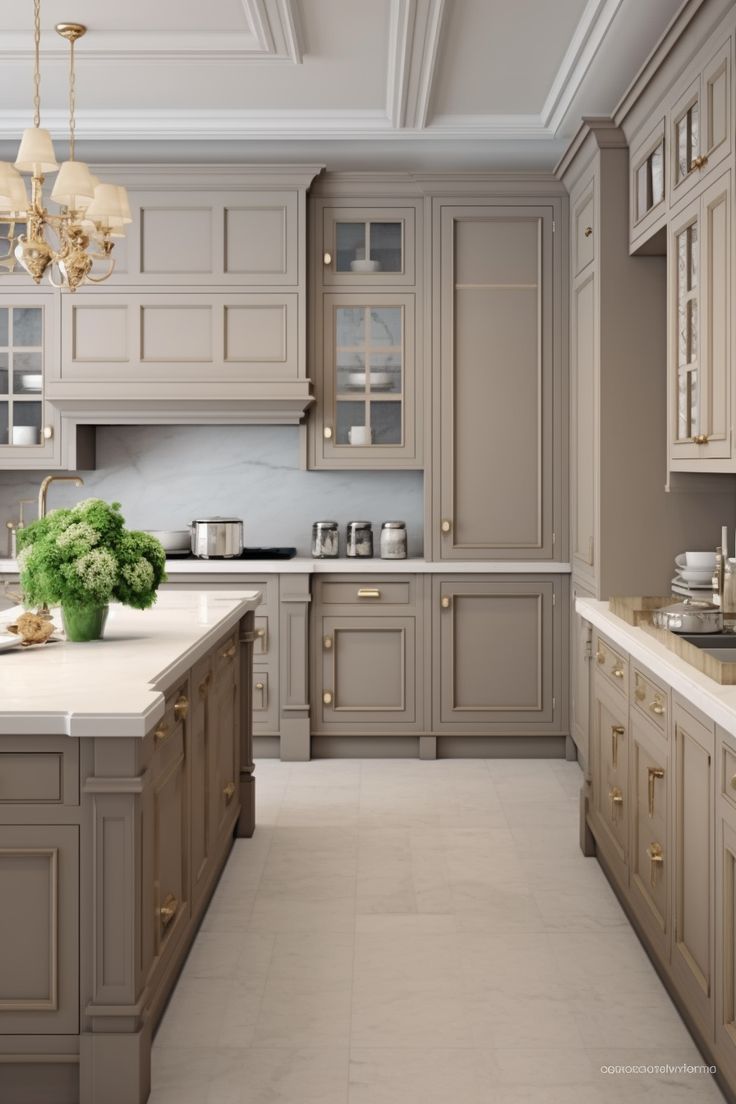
(687,292)
(368,381)
(27,427)
(368,246)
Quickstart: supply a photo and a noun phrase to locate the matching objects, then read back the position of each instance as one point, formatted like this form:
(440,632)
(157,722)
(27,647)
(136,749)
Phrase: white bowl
(173,540)
(699,578)
(31,381)
(697,561)
(365,266)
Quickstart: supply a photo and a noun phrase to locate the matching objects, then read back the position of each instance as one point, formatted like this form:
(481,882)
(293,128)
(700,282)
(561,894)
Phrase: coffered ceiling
(373,82)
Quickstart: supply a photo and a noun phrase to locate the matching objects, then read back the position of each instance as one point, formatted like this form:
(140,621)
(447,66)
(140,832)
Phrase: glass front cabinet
(700,328)
(365,337)
(700,125)
(29,426)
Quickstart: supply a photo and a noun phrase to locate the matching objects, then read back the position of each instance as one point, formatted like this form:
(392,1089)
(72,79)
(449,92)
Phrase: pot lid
(691,605)
(209,520)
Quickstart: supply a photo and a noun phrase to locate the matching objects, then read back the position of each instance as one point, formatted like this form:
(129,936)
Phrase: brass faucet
(43,489)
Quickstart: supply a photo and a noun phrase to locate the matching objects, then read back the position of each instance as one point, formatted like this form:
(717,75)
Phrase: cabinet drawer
(612,665)
(40,771)
(728,773)
(262,642)
(650,699)
(584,229)
(168,735)
(367,593)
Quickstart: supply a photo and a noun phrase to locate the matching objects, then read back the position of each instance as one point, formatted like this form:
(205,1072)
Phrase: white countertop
(716,701)
(113,686)
(304,565)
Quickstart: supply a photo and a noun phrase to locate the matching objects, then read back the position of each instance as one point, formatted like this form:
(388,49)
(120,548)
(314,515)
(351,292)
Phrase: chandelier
(63,245)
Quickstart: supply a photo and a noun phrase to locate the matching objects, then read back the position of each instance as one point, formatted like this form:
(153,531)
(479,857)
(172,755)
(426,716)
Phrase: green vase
(84,622)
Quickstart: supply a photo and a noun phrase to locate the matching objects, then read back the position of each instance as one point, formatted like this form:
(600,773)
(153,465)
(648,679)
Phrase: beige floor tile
(301,1014)
(413,1075)
(290,1075)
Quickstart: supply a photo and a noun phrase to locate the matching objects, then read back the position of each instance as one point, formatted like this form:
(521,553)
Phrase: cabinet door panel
(494,660)
(368,245)
(692,949)
(224,752)
(39,953)
(581,657)
(200,736)
(171,874)
(716,253)
(496,382)
(584,373)
(726,939)
(649,858)
(610,768)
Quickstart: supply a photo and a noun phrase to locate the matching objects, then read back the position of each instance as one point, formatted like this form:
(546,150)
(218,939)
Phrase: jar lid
(394,525)
(325,525)
(217,520)
(359,525)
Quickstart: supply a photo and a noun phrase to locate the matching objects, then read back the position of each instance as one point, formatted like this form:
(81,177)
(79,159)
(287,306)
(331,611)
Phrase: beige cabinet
(497,655)
(581,654)
(39,922)
(610,750)
(700,122)
(496,332)
(693,864)
(224,753)
(650,863)
(700,329)
(170,817)
(366,330)
(648,184)
(367,647)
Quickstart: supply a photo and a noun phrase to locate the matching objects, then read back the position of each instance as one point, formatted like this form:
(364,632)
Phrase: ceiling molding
(488,126)
(595,22)
(415,27)
(271,33)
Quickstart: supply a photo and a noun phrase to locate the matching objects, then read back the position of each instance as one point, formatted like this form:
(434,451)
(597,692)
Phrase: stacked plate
(694,573)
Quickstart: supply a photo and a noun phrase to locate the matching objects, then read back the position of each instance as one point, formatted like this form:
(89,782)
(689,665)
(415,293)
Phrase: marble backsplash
(166,475)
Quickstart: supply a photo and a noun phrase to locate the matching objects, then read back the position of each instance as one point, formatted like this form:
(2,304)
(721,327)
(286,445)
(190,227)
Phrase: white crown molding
(594,25)
(271,33)
(488,126)
(415,27)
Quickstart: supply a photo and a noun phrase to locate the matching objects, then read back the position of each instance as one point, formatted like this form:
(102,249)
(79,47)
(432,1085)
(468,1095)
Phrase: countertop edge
(716,701)
(302,565)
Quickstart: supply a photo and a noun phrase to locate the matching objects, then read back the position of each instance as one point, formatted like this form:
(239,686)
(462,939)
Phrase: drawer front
(728,773)
(168,735)
(265,701)
(650,857)
(611,789)
(650,699)
(367,593)
(262,645)
(39,771)
(611,665)
(584,230)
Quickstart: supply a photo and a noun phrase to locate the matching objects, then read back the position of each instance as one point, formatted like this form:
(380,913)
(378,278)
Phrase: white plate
(700,587)
(697,578)
(8,641)
(704,561)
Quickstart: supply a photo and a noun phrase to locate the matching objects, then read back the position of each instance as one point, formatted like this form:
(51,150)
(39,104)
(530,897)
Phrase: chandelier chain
(37,63)
(72,101)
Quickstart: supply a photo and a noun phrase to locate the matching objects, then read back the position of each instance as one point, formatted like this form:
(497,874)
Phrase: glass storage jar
(359,539)
(393,540)
(325,540)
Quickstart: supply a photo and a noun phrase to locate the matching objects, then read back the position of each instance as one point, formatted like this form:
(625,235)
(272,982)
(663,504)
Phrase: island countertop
(114,686)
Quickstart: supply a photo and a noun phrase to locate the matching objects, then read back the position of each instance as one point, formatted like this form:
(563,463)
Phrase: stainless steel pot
(217,538)
(690,616)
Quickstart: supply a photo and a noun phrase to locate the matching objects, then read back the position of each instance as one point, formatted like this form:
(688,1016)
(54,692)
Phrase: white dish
(379,380)
(686,585)
(365,266)
(31,381)
(698,561)
(698,578)
(8,641)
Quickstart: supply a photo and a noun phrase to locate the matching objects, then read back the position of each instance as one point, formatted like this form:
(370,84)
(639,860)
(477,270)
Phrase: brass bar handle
(228,792)
(369,592)
(167,910)
(639,693)
(600,656)
(181,708)
(588,231)
(161,733)
(617,799)
(445,525)
(653,774)
(327,698)
(228,653)
(616,731)
(445,601)
(700,439)
(656,859)
(657,707)
(204,685)
(327,643)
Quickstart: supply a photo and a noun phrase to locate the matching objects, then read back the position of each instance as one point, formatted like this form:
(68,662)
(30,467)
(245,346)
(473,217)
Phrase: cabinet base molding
(52,1078)
(710,1055)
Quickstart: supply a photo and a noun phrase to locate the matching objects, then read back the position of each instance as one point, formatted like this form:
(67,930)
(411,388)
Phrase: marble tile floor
(406,932)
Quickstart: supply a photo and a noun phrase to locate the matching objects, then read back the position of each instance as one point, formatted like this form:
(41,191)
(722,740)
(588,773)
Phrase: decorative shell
(32,628)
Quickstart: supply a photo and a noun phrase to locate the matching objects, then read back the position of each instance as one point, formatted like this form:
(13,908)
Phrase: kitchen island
(125,770)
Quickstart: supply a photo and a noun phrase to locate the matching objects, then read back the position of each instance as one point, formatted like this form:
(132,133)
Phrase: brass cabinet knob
(369,592)
(327,697)
(588,231)
(228,653)
(445,525)
(655,855)
(327,433)
(327,258)
(618,672)
(259,686)
(167,911)
(327,643)
(701,439)
(181,708)
(48,433)
(228,792)
(204,686)
(699,162)
(445,601)
(260,633)
(653,774)
(657,707)
(161,733)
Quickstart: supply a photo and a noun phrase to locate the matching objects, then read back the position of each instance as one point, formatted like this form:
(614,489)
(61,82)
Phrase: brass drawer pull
(699,162)
(653,774)
(446,601)
(617,799)
(616,731)
(204,686)
(259,686)
(181,708)
(228,792)
(369,592)
(639,693)
(167,911)
(445,525)
(161,733)
(327,697)
(600,656)
(657,707)
(617,672)
(701,439)
(656,859)
(228,653)
(327,643)
(588,231)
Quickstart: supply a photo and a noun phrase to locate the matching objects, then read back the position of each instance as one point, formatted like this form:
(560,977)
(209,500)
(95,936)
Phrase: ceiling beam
(415,28)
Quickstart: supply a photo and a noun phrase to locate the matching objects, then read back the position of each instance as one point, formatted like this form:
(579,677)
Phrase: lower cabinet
(726,928)
(224,771)
(581,652)
(649,831)
(497,654)
(610,740)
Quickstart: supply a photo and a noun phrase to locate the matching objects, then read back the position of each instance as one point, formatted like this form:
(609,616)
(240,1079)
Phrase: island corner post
(110,849)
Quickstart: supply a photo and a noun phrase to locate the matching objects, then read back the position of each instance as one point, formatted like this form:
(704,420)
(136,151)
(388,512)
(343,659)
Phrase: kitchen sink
(721,646)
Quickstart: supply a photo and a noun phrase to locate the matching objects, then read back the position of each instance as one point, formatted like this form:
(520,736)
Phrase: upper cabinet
(647,190)
(497,328)
(700,122)
(366,333)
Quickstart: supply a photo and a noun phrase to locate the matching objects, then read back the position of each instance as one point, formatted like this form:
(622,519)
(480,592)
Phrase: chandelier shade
(13,194)
(36,152)
(74,187)
(110,205)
